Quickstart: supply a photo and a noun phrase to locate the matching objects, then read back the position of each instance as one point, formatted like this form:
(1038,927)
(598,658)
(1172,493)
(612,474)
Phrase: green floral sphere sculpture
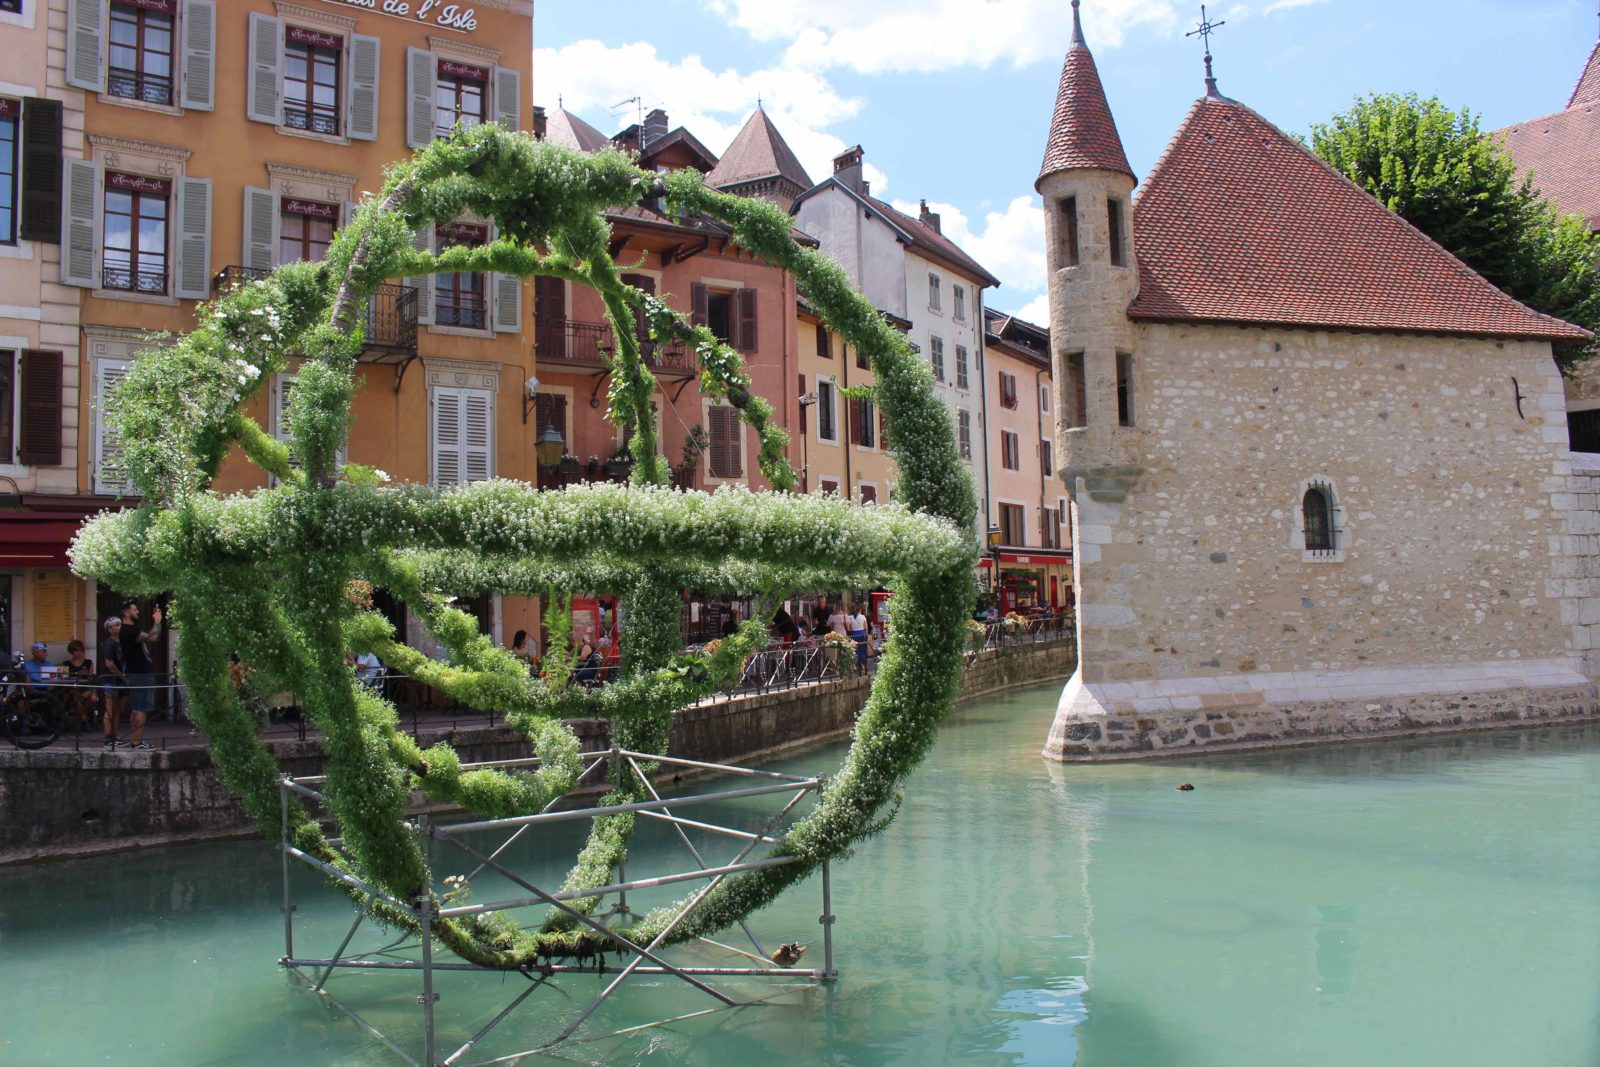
(274,577)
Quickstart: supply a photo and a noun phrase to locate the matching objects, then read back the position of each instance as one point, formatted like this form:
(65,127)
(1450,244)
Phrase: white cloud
(591,77)
(1010,243)
(884,36)
(1036,311)
(1288,5)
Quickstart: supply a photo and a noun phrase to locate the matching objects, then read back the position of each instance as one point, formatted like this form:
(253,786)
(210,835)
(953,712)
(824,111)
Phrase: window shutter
(747,320)
(477,435)
(193,273)
(508,98)
(507,303)
(423,241)
(80,223)
(266,58)
(40,436)
(199,55)
(282,429)
(422,74)
(110,471)
(261,223)
(700,304)
(726,461)
(447,463)
(86,44)
(854,429)
(364,54)
(41,170)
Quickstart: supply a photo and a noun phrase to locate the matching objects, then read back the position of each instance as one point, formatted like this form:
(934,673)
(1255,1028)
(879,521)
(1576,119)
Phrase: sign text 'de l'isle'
(458,17)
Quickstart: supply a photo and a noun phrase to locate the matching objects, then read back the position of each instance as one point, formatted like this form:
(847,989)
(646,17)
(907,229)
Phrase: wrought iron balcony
(390,318)
(590,344)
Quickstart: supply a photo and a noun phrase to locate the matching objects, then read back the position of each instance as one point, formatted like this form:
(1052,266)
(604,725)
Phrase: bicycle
(30,718)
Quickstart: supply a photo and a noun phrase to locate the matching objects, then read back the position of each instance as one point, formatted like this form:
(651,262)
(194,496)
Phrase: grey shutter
(508,98)
(507,303)
(424,284)
(193,275)
(266,57)
(364,52)
(477,435)
(110,471)
(86,44)
(422,74)
(80,224)
(446,437)
(261,221)
(199,90)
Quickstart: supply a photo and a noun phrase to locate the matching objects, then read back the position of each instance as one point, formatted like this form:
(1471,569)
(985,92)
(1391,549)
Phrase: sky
(951,99)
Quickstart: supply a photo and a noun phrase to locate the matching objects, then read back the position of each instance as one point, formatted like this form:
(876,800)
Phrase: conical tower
(1087,187)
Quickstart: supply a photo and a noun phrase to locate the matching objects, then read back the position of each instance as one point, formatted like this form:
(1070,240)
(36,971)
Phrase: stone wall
(57,803)
(1578,565)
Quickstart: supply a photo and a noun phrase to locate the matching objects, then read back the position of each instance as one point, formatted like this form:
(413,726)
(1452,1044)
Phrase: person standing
(858,634)
(114,679)
(136,645)
(839,622)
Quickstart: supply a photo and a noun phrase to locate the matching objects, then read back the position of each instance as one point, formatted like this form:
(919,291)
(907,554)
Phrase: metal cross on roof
(1204,32)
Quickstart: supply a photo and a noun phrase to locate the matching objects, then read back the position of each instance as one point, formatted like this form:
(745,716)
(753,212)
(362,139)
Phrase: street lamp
(550,446)
(994,553)
(806,401)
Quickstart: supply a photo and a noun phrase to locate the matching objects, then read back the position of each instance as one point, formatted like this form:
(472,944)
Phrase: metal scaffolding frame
(647,959)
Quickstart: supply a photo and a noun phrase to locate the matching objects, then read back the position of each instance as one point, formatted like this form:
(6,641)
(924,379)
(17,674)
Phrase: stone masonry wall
(1578,566)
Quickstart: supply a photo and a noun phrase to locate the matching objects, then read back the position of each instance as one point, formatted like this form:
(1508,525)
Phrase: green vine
(267,576)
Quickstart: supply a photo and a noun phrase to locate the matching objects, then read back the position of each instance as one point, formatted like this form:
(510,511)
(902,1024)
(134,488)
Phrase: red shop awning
(30,540)
(1038,557)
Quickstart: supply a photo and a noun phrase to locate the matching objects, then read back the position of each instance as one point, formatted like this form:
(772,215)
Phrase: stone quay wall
(64,803)
(1578,560)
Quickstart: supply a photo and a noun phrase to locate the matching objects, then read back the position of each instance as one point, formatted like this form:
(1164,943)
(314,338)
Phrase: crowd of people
(120,689)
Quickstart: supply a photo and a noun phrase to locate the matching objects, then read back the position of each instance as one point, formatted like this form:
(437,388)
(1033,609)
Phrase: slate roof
(566,129)
(1563,150)
(759,152)
(1082,131)
(931,242)
(1240,223)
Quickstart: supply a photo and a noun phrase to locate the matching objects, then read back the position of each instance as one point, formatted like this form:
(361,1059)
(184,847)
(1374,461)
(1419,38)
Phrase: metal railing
(467,310)
(589,344)
(390,318)
(136,85)
(1038,628)
(134,281)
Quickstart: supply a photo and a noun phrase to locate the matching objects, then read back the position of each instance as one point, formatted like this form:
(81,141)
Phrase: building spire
(1204,32)
(1083,135)
(1077,28)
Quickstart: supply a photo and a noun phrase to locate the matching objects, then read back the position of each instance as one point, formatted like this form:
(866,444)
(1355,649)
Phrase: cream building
(1318,465)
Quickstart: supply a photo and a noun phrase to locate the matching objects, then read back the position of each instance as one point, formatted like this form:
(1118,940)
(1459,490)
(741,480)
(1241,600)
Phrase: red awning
(1038,557)
(32,540)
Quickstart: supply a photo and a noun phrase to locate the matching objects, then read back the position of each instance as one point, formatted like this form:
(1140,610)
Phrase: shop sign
(138,183)
(449,68)
(463,233)
(312,209)
(458,17)
(166,7)
(9,108)
(314,38)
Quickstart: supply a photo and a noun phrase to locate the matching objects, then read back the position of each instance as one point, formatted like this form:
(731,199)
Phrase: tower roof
(1587,91)
(1239,223)
(759,152)
(570,131)
(1082,133)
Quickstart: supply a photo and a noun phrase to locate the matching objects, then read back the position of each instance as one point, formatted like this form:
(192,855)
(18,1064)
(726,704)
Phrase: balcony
(587,345)
(390,319)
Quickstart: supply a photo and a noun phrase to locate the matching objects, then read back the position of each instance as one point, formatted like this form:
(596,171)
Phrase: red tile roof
(931,242)
(1239,223)
(1082,132)
(758,152)
(567,129)
(1563,153)
(1587,91)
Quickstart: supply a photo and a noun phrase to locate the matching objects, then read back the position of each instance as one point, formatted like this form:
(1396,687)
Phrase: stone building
(1319,467)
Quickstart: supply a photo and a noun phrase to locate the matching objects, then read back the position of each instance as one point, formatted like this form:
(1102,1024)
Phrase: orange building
(222,139)
(1029,504)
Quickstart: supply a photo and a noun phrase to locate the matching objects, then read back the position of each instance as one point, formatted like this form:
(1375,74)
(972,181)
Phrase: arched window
(1318,510)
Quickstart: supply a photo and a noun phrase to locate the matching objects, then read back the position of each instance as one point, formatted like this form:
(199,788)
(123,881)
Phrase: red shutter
(748,340)
(41,170)
(550,313)
(41,408)
(700,299)
(725,458)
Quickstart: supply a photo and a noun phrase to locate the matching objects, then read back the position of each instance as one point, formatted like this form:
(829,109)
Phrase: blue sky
(951,98)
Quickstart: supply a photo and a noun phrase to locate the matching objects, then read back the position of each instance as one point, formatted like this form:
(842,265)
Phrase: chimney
(847,169)
(929,218)
(541,123)
(655,128)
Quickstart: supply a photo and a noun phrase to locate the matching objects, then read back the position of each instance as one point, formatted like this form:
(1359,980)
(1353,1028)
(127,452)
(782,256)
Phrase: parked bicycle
(30,717)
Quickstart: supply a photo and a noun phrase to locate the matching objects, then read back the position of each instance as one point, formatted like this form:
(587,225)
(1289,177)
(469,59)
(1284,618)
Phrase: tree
(1438,170)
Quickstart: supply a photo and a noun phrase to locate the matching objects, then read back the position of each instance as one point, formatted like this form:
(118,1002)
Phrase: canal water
(1428,902)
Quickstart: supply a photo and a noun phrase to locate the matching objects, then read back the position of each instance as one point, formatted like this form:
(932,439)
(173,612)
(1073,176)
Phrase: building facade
(1317,464)
(190,178)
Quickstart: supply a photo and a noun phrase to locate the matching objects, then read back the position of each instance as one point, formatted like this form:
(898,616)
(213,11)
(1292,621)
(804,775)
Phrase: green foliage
(1441,172)
(270,576)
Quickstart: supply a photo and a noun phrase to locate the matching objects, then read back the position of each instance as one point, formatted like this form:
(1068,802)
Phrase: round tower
(1093,276)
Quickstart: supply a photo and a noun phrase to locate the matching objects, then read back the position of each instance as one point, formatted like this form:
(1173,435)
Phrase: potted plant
(568,465)
(593,468)
(620,465)
(839,651)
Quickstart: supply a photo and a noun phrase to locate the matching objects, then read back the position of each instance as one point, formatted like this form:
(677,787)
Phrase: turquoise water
(1432,902)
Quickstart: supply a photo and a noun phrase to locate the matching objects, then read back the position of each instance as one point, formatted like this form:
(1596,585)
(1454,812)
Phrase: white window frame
(1002,502)
(963,368)
(965,446)
(959,295)
(936,359)
(1336,517)
(832,394)
(740,430)
(823,485)
(434,393)
(1047,458)
(1012,438)
(876,500)
(934,291)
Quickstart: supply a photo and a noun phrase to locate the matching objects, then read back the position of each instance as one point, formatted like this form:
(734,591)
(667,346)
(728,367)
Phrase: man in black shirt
(136,645)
